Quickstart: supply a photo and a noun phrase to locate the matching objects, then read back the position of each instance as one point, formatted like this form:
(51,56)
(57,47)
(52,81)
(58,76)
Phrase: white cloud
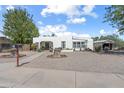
(83,35)
(116,32)
(52,29)
(10,7)
(1,35)
(77,20)
(110,32)
(40,22)
(69,10)
(0,32)
(67,33)
(103,32)
(88,10)
(59,30)
(74,13)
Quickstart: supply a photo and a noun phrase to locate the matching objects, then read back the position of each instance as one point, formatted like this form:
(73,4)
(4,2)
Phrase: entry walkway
(30,58)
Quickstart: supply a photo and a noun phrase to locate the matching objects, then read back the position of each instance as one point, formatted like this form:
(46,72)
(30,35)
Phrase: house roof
(104,41)
(4,40)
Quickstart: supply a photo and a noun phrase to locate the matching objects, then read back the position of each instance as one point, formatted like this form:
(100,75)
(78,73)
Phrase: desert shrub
(88,49)
(39,50)
(33,47)
(42,47)
(98,49)
(120,48)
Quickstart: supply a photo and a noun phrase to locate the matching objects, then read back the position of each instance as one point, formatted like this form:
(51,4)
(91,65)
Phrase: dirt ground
(4,60)
(81,61)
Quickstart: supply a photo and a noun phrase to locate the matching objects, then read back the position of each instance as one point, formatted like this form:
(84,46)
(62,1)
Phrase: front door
(47,44)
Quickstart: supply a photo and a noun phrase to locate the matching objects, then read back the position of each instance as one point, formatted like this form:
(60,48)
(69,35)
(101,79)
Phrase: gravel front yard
(81,61)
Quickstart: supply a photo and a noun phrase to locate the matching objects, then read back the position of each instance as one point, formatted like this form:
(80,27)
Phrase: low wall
(66,50)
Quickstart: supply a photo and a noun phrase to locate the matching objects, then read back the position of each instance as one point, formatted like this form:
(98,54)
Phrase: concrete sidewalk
(22,77)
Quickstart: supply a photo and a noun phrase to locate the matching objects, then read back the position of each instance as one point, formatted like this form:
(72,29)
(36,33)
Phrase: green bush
(33,47)
(39,50)
(42,47)
(98,49)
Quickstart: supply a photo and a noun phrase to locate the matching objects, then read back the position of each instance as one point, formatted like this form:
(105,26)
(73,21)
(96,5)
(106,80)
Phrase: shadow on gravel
(23,64)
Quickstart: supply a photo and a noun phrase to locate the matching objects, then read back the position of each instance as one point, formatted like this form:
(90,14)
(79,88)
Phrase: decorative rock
(57,54)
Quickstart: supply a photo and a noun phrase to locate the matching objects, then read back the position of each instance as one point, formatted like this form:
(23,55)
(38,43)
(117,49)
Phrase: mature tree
(115,17)
(19,26)
(95,38)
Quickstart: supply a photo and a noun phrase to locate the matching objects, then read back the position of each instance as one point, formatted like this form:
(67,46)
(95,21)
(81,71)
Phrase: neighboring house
(109,44)
(5,43)
(65,42)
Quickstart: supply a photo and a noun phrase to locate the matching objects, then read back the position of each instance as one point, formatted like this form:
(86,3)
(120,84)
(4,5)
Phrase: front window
(63,44)
(83,45)
(78,44)
(74,44)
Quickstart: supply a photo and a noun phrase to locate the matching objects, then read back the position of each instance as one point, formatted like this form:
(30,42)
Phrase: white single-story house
(66,42)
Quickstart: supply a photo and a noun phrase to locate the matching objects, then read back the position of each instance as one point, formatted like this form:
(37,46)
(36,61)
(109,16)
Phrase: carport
(104,44)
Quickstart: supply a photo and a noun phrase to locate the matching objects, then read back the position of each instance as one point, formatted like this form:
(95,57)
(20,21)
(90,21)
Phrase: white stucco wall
(90,43)
(56,41)
(68,39)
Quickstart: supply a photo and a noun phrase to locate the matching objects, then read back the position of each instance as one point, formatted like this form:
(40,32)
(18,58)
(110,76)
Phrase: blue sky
(76,20)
